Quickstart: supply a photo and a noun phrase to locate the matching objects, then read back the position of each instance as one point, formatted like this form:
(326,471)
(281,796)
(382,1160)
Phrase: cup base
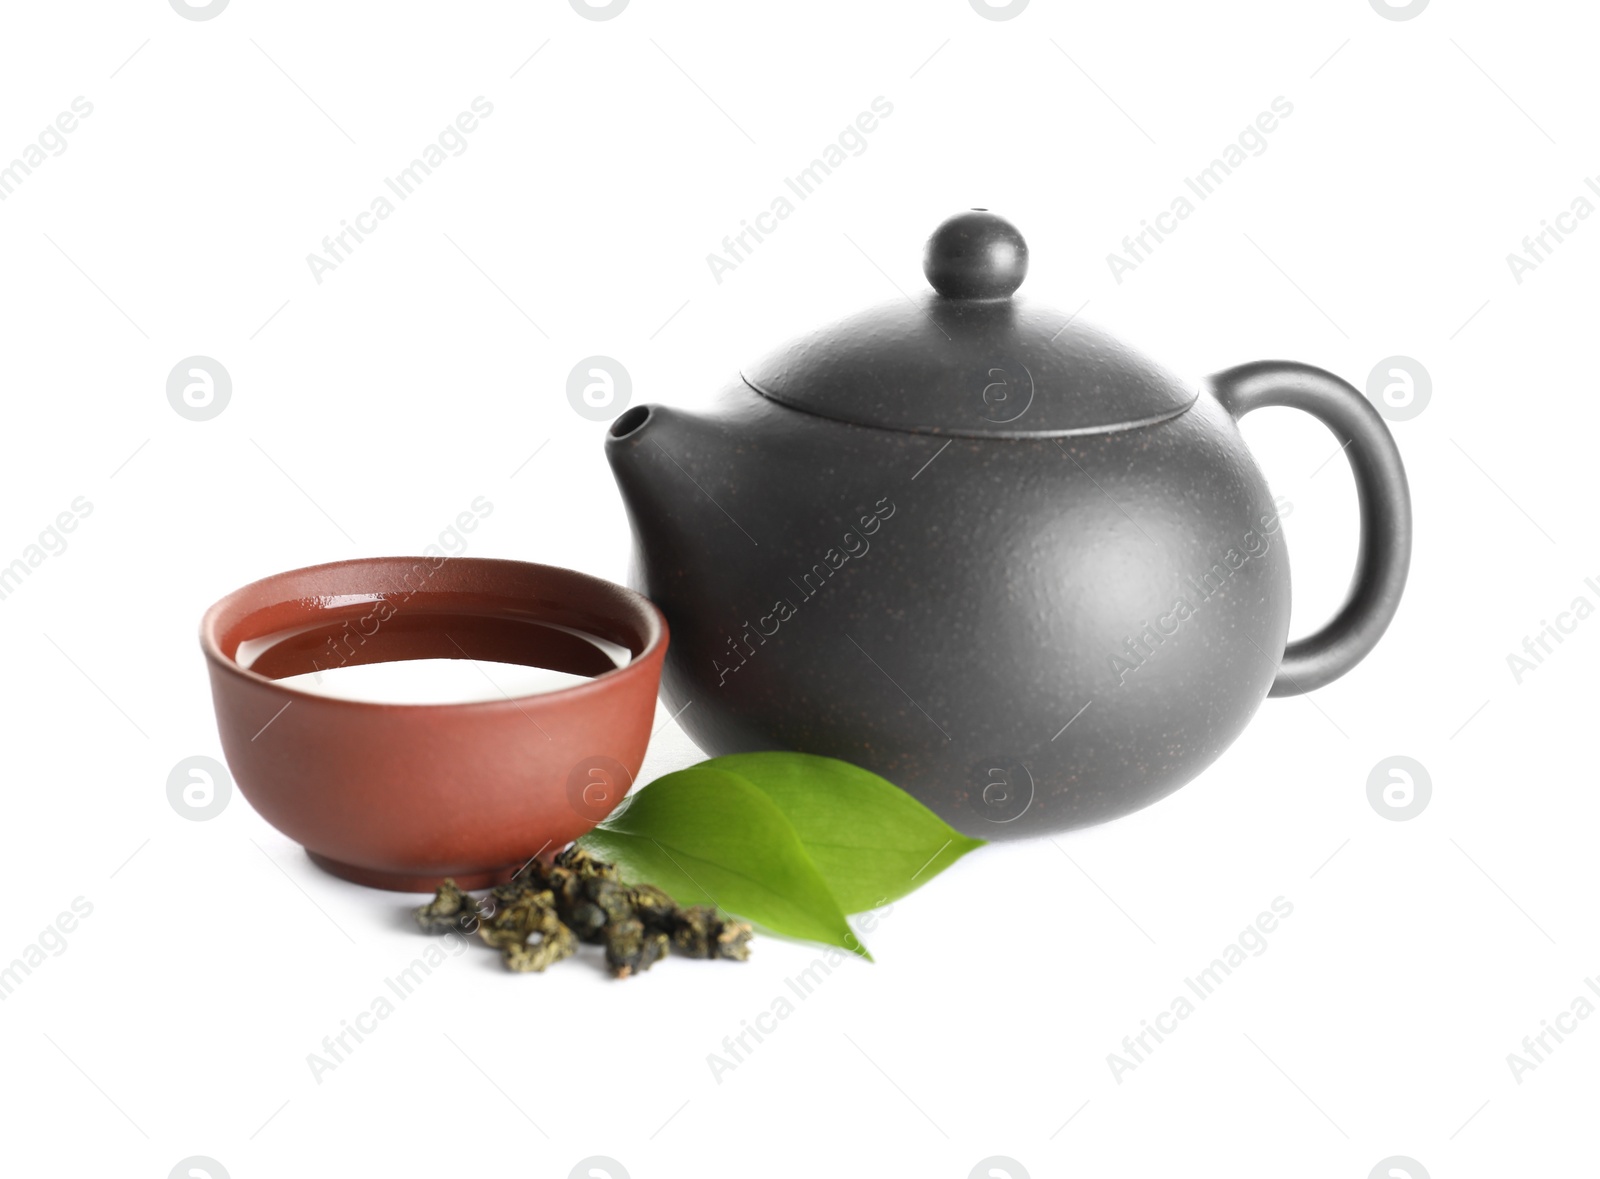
(413,882)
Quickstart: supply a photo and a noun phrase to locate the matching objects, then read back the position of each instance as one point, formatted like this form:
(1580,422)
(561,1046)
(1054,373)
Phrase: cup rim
(639,611)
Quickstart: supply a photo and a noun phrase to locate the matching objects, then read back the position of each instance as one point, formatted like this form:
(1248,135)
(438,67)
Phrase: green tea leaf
(872,842)
(706,836)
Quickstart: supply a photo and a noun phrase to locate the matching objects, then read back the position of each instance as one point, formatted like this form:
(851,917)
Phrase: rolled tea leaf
(707,836)
(872,842)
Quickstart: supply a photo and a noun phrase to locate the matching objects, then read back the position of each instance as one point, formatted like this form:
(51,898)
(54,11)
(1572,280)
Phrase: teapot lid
(970,359)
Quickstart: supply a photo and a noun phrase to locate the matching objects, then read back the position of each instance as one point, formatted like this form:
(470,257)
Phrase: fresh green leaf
(706,836)
(872,842)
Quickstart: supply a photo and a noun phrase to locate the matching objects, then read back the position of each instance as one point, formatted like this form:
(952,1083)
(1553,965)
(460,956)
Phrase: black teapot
(989,553)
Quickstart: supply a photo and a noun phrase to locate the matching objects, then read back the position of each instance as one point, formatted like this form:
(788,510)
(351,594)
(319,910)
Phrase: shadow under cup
(401,796)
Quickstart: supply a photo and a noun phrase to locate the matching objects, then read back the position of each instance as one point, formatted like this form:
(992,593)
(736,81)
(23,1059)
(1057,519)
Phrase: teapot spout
(633,447)
(628,424)
(650,447)
(629,451)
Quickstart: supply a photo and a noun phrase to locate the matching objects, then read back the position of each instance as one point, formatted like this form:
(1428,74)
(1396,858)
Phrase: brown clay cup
(401,796)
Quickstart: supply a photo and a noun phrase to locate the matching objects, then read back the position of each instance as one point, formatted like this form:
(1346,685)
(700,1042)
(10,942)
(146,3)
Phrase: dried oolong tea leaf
(450,909)
(578,861)
(587,921)
(540,915)
(631,947)
(696,932)
(731,940)
(701,932)
(611,897)
(528,933)
(654,907)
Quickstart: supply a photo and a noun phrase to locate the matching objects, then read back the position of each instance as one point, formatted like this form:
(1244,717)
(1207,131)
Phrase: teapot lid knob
(975,255)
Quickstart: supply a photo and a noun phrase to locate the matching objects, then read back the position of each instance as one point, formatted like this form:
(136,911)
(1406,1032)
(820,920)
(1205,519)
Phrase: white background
(369,409)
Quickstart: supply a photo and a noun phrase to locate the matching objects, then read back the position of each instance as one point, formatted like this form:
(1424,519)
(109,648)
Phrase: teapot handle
(1384,554)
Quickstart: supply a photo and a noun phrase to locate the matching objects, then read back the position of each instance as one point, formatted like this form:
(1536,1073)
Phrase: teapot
(988,552)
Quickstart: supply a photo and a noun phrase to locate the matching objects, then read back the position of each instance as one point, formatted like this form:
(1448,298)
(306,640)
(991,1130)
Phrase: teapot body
(1027,634)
